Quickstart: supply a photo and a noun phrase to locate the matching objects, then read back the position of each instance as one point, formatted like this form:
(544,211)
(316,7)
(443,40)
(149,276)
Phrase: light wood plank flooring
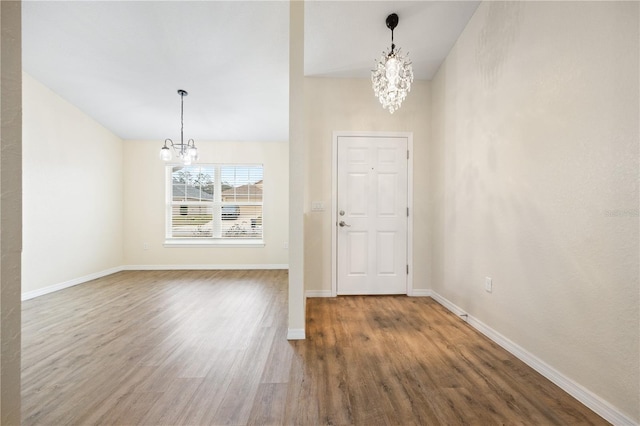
(209,347)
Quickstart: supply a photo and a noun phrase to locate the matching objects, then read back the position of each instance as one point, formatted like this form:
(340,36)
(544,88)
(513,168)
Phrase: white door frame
(334,202)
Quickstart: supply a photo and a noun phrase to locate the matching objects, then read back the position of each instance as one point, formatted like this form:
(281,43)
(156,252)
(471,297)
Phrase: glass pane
(240,221)
(191,221)
(203,181)
(178,190)
(241,183)
(255,177)
(192,183)
(228,178)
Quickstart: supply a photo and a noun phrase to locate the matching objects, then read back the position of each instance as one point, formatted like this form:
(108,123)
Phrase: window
(214,203)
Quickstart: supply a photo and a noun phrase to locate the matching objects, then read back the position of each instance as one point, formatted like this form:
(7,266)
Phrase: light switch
(317,206)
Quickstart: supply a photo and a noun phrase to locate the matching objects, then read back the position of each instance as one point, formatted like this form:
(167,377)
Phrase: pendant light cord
(181,119)
(393,46)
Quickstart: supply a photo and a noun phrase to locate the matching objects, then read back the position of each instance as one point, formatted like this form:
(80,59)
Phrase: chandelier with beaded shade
(393,74)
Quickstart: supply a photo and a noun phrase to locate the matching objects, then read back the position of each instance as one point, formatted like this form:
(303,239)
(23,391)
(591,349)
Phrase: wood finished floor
(209,347)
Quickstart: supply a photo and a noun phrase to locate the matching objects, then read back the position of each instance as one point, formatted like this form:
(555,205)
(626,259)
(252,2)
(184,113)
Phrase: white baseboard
(317,293)
(295,334)
(421,292)
(204,267)
(56,287)
(445,302)
(579,392)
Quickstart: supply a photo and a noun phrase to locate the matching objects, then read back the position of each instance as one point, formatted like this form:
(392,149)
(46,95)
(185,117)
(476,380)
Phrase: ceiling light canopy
(393,75)
(186,152)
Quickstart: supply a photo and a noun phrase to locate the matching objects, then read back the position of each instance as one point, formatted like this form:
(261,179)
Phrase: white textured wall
(350,105)
(535,178)
(72,191)
(144,205)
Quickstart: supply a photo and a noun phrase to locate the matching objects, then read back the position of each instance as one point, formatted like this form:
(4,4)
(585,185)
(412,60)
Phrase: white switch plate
(488,285)
(317,206)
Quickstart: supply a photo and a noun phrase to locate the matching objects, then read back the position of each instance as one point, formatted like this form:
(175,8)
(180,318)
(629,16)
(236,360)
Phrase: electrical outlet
(145,246)
(285,245)
(488,285)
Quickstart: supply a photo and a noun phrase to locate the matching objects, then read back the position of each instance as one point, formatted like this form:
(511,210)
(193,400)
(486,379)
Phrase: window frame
(216,205)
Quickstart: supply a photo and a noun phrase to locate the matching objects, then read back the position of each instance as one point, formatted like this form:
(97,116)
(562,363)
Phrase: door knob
(342,224)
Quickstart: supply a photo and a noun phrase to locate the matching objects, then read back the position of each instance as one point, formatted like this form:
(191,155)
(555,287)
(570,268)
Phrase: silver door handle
(342,224)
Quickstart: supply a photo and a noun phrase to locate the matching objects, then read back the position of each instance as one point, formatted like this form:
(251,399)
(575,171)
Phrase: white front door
(372,215)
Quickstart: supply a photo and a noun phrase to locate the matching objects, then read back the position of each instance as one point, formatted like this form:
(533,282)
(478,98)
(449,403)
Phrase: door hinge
(407,211)
(407,269)
(407,154)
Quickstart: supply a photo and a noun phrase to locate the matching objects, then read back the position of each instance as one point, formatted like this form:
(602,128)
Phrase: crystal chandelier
(393,75)
(186,152)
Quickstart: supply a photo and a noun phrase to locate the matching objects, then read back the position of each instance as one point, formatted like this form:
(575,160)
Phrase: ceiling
(121,62)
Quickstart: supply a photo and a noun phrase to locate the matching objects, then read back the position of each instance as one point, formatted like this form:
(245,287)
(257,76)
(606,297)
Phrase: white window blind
(215,202)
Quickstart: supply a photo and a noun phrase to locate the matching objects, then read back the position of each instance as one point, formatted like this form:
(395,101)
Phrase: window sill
(191,243)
